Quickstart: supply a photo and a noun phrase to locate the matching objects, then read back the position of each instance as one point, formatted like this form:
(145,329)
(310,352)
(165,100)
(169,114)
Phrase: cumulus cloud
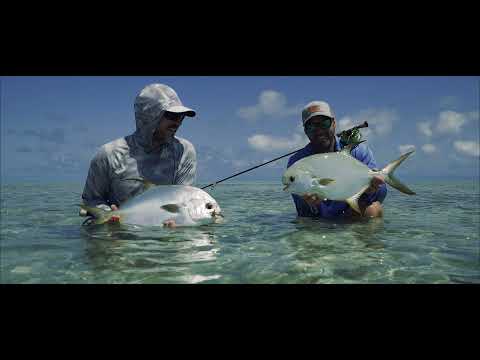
(380,122)
(240,163)
(270,103)
(473,115)
(405,148)
(450,122)
(425,128)
(429,148)
(267,143)
(470,148)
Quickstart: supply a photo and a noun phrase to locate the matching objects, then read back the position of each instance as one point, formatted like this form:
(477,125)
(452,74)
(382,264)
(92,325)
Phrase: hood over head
(150,105)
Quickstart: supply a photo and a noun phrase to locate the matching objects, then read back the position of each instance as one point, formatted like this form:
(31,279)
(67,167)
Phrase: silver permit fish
(338,176)
(187,205)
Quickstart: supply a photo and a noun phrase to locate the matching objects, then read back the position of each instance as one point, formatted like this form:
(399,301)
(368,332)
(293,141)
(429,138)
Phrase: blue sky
(52,126)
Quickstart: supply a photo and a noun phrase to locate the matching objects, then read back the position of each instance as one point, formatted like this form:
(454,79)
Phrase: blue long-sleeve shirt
(331,209)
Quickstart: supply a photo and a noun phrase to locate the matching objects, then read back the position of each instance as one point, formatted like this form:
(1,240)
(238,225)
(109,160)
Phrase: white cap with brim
(155,98)
(182,109)
(316,108)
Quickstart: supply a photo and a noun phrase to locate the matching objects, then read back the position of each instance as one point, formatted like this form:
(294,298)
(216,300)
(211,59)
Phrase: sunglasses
(324,123)
(174,116)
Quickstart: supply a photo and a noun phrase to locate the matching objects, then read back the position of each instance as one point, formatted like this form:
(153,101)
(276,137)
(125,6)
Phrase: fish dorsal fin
(348,148)
(146,183)
(353,200)
(172,208)
(324,181)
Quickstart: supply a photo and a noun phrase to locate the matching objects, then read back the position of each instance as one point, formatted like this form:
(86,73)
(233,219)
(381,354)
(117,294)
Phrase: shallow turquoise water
(429,238)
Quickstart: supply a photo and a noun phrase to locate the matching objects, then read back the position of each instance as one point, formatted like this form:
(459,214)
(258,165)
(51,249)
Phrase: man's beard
(324,142)
(168,135)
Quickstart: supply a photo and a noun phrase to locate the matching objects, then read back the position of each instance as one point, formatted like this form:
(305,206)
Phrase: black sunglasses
(174,116)
(324,123)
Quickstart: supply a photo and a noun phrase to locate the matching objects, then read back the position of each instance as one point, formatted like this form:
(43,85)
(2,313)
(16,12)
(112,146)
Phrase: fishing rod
(252,168)
(346,137)
(352,135)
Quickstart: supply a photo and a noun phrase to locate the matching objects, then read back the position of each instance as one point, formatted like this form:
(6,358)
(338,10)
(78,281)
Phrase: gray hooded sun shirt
(133,156)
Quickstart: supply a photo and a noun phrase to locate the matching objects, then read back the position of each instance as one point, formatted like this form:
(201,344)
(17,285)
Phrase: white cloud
(380,122)
(237,164)
(471,148)
(473,115)
(405,148)
(450,122)
(429,148)
(425,128)
(345,123)
(269,143)
(270,103)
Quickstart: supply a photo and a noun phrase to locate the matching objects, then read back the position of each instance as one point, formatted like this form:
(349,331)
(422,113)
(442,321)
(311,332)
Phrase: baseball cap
(315,108)
(155,98)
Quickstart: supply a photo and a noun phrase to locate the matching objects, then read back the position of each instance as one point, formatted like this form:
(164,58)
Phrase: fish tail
(388,171)
(101,216)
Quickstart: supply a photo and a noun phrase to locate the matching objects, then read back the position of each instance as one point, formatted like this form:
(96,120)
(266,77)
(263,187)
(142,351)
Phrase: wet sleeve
(96,190)
(366,156)
(303,209)
(188,166)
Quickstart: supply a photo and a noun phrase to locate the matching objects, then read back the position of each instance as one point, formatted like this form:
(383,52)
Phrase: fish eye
(209,206)
(292,178)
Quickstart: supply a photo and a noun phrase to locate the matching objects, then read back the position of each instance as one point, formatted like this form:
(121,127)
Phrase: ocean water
(432,237)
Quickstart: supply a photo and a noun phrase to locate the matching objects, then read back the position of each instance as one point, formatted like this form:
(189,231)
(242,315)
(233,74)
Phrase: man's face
(321,131)
(168,126)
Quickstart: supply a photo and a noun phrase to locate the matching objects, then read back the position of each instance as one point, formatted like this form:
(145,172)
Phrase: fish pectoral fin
(324,181)
(353,200)
(173,208)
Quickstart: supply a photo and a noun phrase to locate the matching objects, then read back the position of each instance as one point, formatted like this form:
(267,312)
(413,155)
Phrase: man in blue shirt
(319,125)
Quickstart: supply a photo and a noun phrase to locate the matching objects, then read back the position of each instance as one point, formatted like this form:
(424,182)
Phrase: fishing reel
(353,135)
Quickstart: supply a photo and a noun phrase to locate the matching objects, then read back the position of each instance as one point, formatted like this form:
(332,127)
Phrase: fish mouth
(286,187)
(217,215)
(217,218)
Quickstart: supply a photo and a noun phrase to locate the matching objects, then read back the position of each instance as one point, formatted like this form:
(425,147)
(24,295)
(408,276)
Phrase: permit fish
(187,205)
(338,176)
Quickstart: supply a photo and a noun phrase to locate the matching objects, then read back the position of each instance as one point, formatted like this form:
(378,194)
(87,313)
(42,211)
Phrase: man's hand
(312,199)
(375,184)
(114,218)
(170,223)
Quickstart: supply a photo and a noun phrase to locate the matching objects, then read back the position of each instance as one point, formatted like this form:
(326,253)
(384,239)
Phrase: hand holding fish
(312,199)
(114,218)
(170,223)
(375,184)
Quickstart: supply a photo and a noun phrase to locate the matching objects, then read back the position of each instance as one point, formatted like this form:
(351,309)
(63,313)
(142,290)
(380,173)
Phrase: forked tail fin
(388,171)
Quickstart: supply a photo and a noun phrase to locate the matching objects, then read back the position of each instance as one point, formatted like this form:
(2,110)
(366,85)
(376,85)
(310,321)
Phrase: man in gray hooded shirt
(152,152)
